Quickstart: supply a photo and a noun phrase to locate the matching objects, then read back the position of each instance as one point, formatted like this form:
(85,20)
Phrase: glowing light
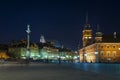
(76,52)
(118,48)
(85,54)
(75,57)
(67,56)
(38,55)
(89,37)
(32,55)
(96,52)
(46,56)
(62,57)
(52,56)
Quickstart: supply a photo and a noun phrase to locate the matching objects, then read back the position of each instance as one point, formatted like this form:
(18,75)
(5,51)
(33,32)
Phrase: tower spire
(98,37)
(86,17)
(98,27)
(87,25)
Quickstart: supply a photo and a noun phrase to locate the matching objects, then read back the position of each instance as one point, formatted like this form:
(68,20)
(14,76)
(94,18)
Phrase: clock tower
(98,37)
(87,33)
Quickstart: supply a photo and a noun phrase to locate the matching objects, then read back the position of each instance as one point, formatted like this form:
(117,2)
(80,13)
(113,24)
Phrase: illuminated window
(114,53)
(102,53)
(108,52)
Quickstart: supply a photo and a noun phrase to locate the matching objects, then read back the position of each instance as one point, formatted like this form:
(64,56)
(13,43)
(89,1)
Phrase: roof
(87,27)
(111,38)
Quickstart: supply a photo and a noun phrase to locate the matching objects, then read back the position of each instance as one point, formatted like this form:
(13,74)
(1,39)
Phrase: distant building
(52,53)
(42,39)
(40,51)
(3,51)
(103,48)
(18,50)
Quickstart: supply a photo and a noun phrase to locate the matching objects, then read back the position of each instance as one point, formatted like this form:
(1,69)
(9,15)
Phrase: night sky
(61,20)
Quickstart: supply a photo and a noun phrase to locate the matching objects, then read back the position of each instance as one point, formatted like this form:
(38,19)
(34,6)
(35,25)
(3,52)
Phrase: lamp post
(28,44)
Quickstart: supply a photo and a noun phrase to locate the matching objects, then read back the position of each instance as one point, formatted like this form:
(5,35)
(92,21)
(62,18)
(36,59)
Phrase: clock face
(89,37)
(86,37)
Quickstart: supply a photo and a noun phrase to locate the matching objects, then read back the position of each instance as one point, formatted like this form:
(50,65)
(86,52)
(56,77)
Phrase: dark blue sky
(61,20)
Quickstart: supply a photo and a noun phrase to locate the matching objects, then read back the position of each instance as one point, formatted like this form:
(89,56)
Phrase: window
(108,53)
(114,53)
(114,59)
(114,46)
(101,46)
(87,33)
(108,46)
(102,59)
(102,53)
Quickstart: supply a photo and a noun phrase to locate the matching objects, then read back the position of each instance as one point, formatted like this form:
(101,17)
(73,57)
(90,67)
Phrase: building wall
(107,52)
(89,54)
(49,53)
(3,55)
(36,53)
(20,52)
(14,52)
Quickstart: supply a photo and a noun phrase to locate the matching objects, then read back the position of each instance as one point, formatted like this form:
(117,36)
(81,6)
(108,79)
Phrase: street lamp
(28,44)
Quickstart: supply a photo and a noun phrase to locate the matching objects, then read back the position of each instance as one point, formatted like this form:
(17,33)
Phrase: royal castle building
(101,48)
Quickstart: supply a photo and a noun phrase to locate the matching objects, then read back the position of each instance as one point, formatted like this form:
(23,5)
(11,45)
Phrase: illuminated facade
(19,52)
(102,48)
(101,52)
(3,55)
(49,53)
(42,51)
(52,53)
(87,35)
(3,52)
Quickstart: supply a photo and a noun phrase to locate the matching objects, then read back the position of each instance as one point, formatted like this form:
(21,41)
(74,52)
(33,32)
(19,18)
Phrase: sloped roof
(110,38)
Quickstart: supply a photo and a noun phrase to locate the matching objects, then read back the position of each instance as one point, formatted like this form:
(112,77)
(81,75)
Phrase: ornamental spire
(87,26)
(98,27)
(86,17)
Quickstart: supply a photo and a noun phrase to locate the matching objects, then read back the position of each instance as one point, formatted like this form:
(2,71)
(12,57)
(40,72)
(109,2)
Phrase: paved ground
(48,72)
